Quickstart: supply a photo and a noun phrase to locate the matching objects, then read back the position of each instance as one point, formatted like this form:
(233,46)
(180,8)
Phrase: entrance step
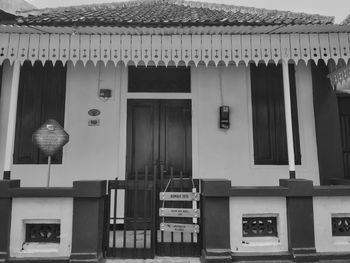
(155,260)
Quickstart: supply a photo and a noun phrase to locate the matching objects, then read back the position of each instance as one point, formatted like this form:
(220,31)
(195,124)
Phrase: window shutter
(269,130)
(41,96)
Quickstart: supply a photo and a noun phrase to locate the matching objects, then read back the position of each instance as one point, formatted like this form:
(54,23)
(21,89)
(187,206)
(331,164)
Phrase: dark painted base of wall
(267,257)
(334,256)
(37,260)
(287,257)
(86,258)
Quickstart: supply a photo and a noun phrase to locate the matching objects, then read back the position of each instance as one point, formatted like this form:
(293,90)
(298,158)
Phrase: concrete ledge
(216,256)
(86,258)
(305,255)
(89,188)
(259,191)
(41,192)
(216,188)
(297,187)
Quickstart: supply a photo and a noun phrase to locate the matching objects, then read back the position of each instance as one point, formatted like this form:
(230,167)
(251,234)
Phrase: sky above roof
(338,8)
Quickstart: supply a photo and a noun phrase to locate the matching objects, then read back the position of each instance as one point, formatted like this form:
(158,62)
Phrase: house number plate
(173,227)
(179,196)
(179,212)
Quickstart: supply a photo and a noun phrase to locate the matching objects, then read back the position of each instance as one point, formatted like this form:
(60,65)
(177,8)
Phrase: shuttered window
(269,128)
(41,96)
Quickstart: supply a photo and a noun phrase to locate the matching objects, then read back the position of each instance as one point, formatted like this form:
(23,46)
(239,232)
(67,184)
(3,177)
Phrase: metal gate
(178,243)
(131,232)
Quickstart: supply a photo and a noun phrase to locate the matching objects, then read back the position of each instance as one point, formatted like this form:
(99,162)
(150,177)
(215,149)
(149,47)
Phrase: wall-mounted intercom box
(105,93)
(224,117)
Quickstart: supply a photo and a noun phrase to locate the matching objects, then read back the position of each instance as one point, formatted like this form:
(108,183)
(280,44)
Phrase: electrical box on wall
(224,117)
(105,93)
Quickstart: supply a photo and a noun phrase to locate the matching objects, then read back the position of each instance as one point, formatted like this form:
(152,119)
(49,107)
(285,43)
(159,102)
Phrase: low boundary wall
(77,211)
(294,221)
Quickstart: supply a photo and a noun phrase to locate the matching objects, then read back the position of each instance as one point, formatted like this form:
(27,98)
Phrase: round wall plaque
(94,112)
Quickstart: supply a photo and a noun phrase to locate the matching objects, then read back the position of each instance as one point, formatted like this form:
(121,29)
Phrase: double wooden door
(159,135)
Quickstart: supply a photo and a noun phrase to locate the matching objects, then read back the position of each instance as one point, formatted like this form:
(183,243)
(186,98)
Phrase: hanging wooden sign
(174,227)
(179,212)
(179,196)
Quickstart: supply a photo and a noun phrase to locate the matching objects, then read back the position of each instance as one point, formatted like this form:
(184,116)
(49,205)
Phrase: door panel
(142,136)
(175,137)
(344,115)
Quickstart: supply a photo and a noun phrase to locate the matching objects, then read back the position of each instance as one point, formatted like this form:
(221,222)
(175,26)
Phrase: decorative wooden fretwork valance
(176,48)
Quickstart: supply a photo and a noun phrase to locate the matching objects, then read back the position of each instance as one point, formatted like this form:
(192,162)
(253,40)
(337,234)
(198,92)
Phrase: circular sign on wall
(94,112)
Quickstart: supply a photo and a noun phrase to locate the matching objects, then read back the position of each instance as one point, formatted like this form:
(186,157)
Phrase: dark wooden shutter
(269,130)
(0,79)
(41,96)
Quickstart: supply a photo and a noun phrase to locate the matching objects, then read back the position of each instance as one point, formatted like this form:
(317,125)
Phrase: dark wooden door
(159,133)
(344,114)
(158,142)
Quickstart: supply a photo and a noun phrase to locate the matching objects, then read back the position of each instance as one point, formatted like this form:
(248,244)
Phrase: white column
(11,123)
(288,117)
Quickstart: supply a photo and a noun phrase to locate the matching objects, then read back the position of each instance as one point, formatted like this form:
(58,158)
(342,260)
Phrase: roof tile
(165,13)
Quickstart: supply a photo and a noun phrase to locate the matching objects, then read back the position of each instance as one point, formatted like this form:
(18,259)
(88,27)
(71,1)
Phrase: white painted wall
(99,152)
(41,210)
(262,206)
(230,154)
(324,209)
(92,152)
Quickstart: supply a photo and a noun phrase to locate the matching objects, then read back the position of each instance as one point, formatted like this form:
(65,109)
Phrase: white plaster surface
(258,206)
(99,152)
(41,210)
(324,208)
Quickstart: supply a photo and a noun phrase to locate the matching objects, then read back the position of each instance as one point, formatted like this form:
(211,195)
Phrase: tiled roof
(6,17)
(166,13)
(346,21)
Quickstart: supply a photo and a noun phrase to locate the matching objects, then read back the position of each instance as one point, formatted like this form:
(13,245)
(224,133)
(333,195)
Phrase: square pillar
(88,221)
(5,217)
(300,219)
(216,221)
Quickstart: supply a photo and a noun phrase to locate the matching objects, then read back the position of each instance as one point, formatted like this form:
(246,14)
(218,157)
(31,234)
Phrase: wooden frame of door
(124,95)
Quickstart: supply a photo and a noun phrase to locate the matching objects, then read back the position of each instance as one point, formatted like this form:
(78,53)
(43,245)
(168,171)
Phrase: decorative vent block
(43,233)
(259,226)
(341,226)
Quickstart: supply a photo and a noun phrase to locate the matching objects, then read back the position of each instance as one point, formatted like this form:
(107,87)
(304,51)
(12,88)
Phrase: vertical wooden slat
(145,210)
(107,221)
(154,197)
(172,190)
(126,196)
(114,219)
(162,189)
(134,220)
